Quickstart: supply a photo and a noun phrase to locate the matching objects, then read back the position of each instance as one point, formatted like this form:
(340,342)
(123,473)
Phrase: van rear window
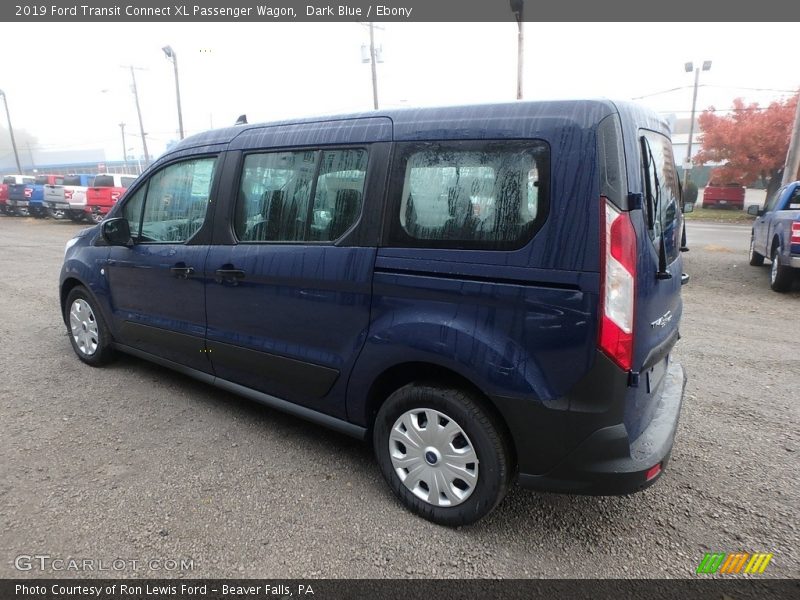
(471,194)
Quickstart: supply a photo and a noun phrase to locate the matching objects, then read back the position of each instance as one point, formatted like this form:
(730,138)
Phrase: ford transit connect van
(490,294)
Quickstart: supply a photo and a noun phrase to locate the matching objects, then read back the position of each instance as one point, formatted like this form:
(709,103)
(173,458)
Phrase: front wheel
(756,259)
(445,456)
(780,276)
(88,333)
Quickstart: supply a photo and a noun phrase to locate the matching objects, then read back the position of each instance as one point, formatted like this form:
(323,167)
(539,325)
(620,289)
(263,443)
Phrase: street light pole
(173,56)
(689,67)
(11,132)
(373,61)
(517,7)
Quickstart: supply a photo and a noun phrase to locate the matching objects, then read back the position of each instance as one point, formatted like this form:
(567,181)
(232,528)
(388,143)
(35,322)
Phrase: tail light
(795,233)
(618,280)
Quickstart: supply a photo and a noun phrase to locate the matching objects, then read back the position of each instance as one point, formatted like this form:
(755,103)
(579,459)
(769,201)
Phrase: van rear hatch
(641,268)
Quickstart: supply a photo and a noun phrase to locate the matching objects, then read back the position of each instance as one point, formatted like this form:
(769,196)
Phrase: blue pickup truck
(776,234)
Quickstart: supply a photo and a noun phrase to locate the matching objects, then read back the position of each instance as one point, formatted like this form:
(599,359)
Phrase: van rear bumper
(606,463)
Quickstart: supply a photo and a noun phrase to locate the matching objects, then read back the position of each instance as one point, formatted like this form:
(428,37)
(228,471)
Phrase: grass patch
(719,215)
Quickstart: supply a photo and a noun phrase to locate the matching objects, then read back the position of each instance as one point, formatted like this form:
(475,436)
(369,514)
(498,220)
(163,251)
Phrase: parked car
(20,190)
(337,269)
(36,202)
(74,202)
(104,192)
(776,234)
(4,198)
(724,195)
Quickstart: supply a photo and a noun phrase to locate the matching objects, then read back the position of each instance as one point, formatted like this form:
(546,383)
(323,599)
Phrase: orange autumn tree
(751,142)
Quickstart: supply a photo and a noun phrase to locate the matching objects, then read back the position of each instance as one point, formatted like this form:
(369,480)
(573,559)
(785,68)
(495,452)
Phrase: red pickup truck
(104,193)
(724,195)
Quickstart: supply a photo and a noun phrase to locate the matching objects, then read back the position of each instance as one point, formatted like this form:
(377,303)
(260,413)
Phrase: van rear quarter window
(661,205)
(487,195)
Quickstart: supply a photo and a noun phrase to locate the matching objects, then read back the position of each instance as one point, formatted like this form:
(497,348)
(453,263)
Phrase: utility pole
(124,147)
(139,113)
(11,132)
(688,166)
(792,166)
(517,7)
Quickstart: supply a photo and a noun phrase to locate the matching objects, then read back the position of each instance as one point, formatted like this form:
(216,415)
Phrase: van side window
(175,202)
(662,192)
(274,203)
(489,195)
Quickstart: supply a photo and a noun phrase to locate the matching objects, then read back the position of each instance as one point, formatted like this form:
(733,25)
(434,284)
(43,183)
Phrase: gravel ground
(135,462)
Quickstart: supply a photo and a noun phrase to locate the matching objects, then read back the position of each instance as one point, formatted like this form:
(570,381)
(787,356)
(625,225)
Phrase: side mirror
(117,232)
(688,207)
(754,210)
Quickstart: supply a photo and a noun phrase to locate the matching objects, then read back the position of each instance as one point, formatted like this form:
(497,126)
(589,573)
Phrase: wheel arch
(776,242)
(67,286)
(398,375)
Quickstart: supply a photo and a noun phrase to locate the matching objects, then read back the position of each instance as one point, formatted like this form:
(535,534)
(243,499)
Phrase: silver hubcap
(773,272)
(433,457)
(83,326)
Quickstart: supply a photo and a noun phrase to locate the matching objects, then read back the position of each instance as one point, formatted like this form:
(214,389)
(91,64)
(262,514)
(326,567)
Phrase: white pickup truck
(75,187)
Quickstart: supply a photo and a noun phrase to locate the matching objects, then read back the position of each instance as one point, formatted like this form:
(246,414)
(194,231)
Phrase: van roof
(469,121)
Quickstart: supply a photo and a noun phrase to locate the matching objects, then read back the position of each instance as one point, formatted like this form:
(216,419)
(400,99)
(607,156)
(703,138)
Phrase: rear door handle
(229,275)
(181,271)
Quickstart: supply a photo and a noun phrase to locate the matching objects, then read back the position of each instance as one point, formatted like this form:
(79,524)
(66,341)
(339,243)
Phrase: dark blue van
(490,293)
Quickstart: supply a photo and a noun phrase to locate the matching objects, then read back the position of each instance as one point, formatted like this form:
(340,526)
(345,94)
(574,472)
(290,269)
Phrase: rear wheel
(443,454)
(97,217)
(88,333)
(780,277)
(756,259)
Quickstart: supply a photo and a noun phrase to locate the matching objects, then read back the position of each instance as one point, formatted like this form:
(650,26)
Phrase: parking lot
(138,463)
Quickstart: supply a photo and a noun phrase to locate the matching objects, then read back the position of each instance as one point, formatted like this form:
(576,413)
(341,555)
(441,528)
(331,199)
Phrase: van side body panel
(317,324)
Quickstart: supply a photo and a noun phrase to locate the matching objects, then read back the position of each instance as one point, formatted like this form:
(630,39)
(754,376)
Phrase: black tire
(756,259)
(780,276)
(93,345)
(483,433)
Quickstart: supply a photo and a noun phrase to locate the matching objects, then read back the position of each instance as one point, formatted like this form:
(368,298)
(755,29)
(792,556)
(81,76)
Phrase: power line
(709,85)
